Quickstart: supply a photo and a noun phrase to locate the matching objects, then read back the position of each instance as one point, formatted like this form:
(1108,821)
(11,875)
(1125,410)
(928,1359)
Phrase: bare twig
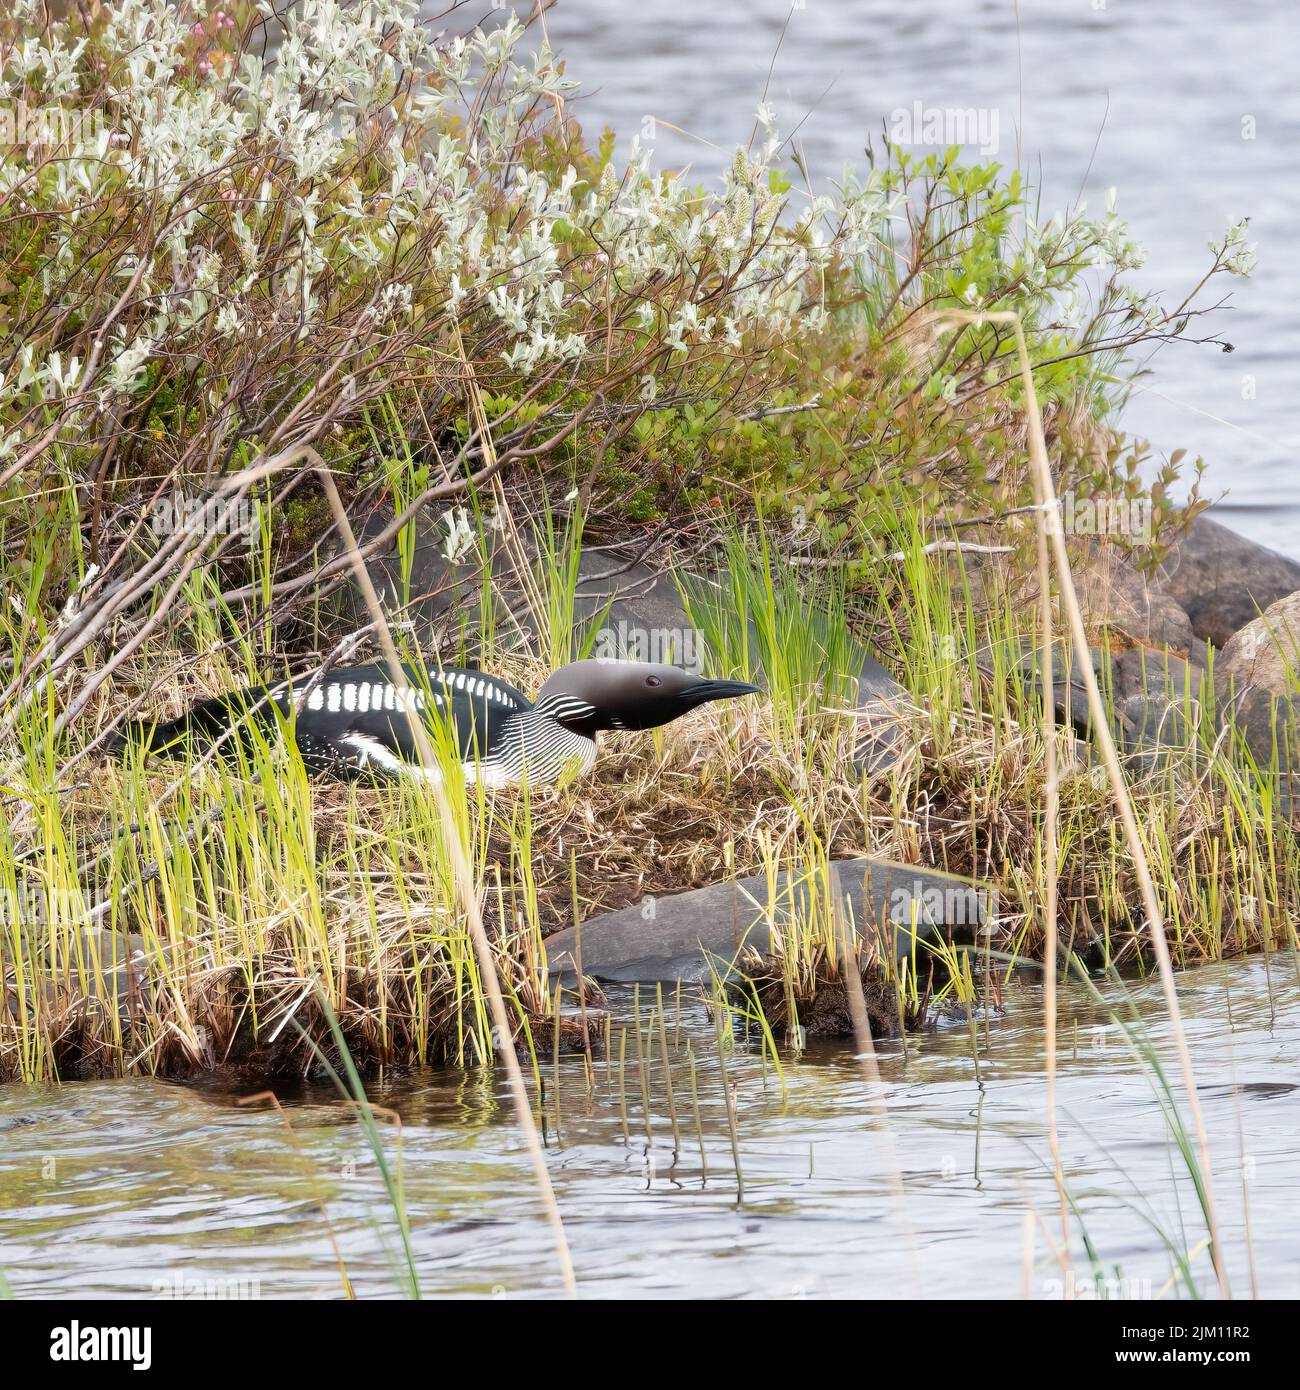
(766,412)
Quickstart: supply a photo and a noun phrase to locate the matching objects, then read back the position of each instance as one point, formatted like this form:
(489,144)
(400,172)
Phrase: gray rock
(718,923)
(425,588)
(1115,597)
(881,737)
(1160,700)
(1223,581)
(1156,699)
(114,969)
(1266,652)
(1155,674)
(1153,735)
(1257,678)
(1071,692)
(638,609)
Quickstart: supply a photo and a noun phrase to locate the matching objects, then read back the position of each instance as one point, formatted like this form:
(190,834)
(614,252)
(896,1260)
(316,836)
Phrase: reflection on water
(140,1187)
(1188,107)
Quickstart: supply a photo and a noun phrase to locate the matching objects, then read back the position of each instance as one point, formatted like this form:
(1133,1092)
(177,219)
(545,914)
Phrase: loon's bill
(356,722)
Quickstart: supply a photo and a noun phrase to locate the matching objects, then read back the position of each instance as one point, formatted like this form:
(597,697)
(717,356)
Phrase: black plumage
(331,719)
(354,721)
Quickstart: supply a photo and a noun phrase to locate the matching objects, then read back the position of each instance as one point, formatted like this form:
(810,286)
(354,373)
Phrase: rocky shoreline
(1222,619)
(1184,661)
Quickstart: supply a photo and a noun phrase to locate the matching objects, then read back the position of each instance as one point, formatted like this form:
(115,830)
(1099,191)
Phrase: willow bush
(228,232)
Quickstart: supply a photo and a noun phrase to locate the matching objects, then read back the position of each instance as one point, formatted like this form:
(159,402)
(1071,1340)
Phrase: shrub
(230,232)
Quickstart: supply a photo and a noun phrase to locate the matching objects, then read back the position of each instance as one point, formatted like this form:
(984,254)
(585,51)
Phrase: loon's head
(591,696)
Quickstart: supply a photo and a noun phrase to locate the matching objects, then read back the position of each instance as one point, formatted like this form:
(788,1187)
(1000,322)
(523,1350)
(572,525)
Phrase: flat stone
(675,937)
(113,966)
(881,737)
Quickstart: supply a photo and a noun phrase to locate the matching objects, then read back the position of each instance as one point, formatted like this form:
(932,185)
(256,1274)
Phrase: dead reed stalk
(1046,489)
(465,887)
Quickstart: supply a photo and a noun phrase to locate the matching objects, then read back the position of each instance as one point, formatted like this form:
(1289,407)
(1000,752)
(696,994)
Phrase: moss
(305,518)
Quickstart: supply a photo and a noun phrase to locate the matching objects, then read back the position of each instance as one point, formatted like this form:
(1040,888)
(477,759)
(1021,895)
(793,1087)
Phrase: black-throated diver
(354,722)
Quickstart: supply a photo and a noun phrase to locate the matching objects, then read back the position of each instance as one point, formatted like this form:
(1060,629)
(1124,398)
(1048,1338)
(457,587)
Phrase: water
(132,1188)
(1159,90)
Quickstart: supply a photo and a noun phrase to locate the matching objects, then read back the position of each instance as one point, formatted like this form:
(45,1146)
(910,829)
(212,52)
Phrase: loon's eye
(653,681)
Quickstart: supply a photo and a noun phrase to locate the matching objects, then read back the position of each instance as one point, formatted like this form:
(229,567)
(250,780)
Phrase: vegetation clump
(243,246)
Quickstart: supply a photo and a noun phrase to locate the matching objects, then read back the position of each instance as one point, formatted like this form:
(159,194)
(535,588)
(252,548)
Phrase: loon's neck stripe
(560,706)
(532,744)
